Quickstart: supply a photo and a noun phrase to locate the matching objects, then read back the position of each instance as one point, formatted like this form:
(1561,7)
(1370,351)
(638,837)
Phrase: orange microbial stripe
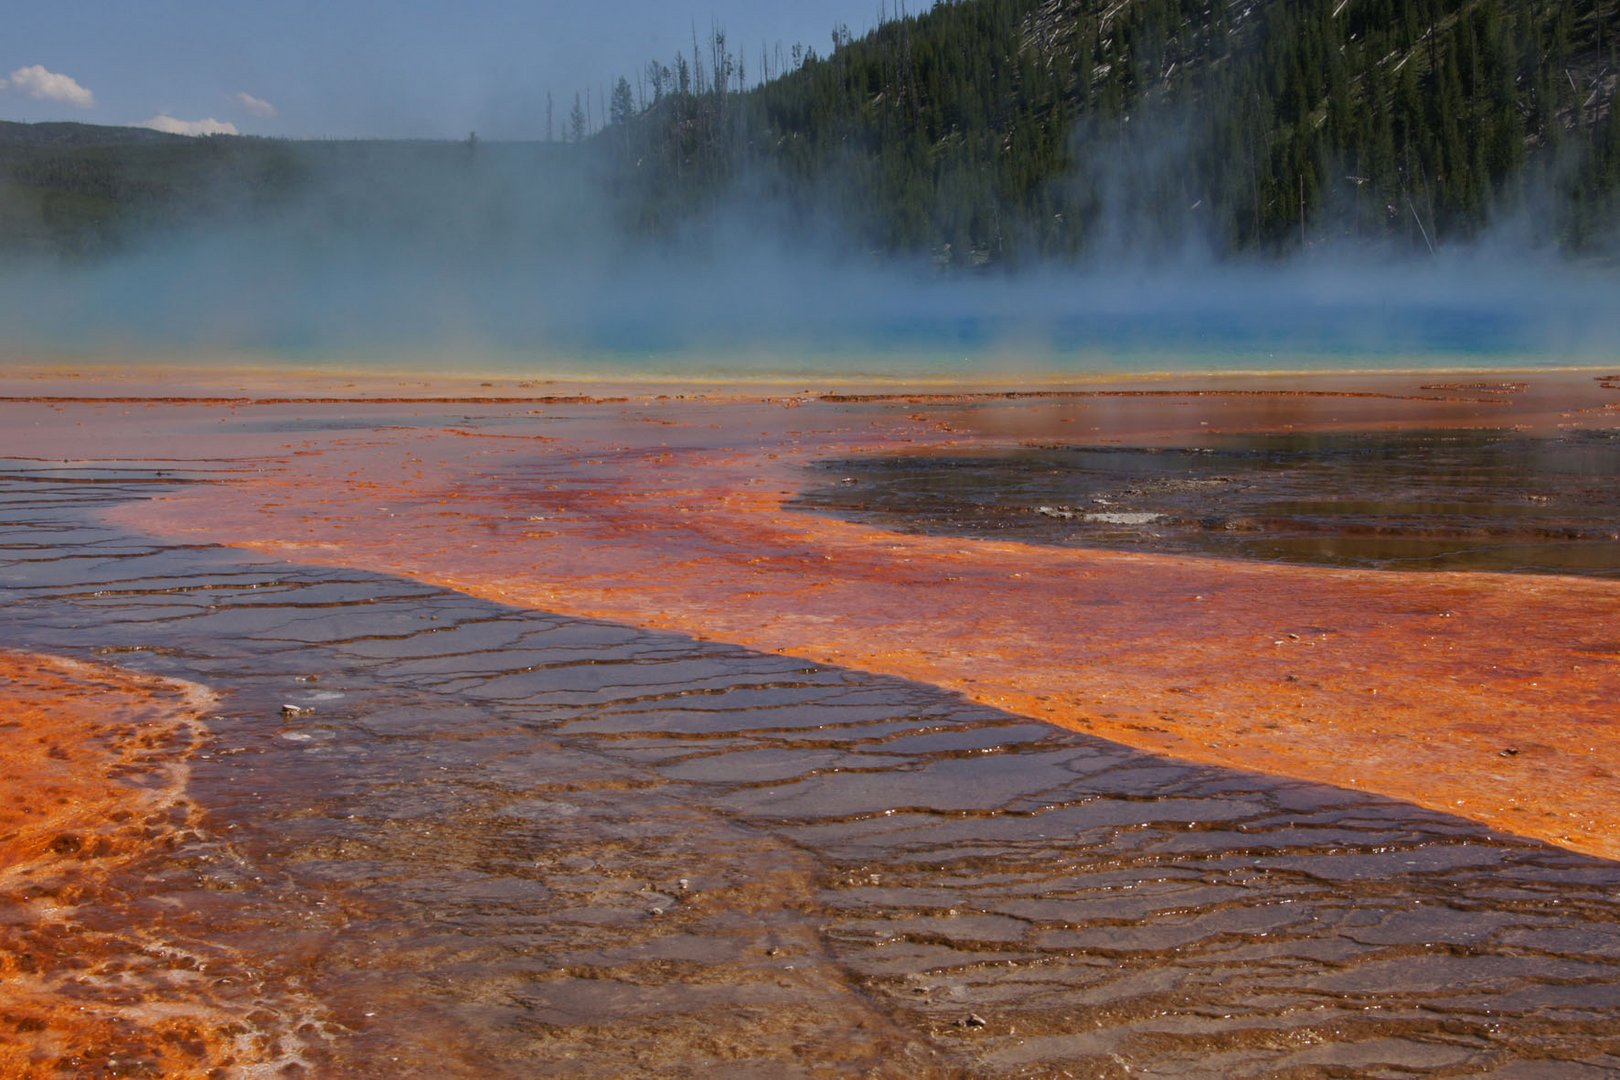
(95,766)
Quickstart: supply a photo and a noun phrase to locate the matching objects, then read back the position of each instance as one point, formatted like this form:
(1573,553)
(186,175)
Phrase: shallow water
(505,842)
(1448,500)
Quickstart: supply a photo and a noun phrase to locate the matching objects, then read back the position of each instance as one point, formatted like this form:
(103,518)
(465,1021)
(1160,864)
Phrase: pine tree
(576,122)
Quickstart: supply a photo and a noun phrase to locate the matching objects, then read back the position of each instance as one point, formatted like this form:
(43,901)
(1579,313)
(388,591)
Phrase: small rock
(290,711)
(1511,751)
(972,1020)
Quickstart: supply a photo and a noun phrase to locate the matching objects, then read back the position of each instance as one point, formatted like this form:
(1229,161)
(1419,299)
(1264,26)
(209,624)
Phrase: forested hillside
(981,132)
(79,189)
(988,128)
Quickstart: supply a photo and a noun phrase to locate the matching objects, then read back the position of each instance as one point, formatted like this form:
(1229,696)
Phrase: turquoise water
(766,311)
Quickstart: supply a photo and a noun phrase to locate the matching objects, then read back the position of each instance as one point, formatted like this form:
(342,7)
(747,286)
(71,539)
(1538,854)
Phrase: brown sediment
(966,397)
(239,402)
(1480,387)
(1482,695)
(95,762)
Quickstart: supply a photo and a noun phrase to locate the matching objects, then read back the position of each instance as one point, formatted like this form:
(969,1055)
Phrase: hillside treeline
(988,130)
(978,132)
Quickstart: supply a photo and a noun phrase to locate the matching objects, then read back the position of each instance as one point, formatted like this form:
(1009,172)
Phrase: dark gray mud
(1454,500)
(497,842)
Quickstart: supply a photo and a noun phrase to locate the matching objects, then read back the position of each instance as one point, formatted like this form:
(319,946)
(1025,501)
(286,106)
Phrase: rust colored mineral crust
(1488,696)
(95,760)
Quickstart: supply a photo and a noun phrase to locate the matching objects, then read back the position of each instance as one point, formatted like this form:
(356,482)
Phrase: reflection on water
(497,842)
(1457,500)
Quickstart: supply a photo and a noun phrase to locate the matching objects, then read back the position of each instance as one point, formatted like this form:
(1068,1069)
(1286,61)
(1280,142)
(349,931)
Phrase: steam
(517,257)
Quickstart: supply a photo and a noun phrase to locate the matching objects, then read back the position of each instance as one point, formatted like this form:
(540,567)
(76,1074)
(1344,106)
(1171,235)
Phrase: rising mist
(522,257)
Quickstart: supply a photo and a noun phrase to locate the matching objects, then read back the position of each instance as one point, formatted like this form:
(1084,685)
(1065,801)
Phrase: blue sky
(346,68)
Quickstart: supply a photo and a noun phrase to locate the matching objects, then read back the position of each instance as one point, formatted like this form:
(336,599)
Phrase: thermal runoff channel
(519,691)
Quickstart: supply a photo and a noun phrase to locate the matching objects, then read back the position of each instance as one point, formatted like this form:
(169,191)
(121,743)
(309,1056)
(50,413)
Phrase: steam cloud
(517,257)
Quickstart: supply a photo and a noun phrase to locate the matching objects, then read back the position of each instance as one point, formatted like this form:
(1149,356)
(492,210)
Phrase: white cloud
(256,106)
(43,85)
(209,126)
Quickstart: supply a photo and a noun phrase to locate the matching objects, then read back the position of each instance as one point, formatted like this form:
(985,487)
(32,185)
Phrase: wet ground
(438,835)
(96,765)
(1447,500)
(1485,694)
